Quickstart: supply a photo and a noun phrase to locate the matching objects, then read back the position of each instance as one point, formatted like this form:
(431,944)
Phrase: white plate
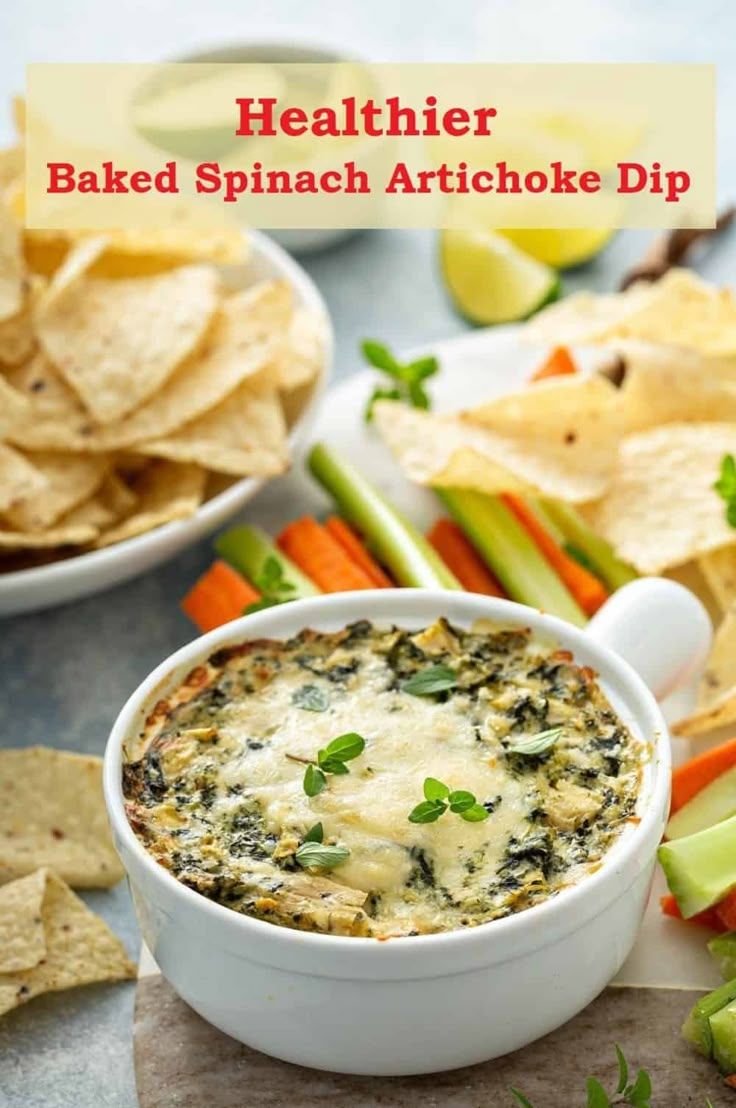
(475,367)
(43,586)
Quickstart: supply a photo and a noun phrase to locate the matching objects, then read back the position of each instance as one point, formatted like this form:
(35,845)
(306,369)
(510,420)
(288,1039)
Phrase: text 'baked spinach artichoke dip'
(383,782)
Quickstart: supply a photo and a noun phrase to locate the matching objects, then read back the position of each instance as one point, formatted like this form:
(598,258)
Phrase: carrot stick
(708,918)
(587,589)
(460,556)
(558,364)
(316,553)
(725,911)
(348,539)
(219,595)
(690,778)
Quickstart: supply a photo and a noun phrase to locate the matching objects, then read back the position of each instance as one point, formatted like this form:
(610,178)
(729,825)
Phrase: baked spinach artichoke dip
(383,782)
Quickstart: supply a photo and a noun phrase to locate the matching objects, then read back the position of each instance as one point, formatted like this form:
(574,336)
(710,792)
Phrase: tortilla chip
(52,813)
(79,947)
(13,406)
(20,479)
(717,693)
(240,344)
(117,341)
(719,572)
(166,492)
(666,384)
(69,479)
(12,167)
(661,509)
(17,337)
(12,266)
(63,534)
(22,939)
(303,352)
(559,439)
(245,435)
(584,317)
(677,310)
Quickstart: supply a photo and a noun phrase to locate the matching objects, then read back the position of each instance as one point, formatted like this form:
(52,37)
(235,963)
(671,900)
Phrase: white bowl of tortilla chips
(149,387)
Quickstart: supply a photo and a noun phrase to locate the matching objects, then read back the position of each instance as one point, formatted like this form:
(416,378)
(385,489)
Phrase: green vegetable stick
(696,1029)
(395,541)
(701,868)
(247,548)
(723,949)
(510,552)
(723,1030)
(610,568)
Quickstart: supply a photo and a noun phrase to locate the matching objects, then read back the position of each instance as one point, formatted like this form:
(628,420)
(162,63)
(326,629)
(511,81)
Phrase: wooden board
(183,1062)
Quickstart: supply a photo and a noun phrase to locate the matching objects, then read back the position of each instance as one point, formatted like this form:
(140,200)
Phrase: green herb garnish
(315,855)
(725,486)
(311,698)
(535,744)
(439,798)
(637,1094)
(331,759)
(428,682)
(272,585)
(409,377)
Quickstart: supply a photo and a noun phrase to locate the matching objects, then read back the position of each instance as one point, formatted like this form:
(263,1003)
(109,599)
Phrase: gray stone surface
(65,673)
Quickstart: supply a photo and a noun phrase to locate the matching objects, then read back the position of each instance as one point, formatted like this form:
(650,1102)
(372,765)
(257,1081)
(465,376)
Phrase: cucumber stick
(510,553)
(697,1027)
(393,539)
(723,950)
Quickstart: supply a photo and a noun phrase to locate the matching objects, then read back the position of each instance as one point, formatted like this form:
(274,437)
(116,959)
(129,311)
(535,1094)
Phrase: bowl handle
(659,627)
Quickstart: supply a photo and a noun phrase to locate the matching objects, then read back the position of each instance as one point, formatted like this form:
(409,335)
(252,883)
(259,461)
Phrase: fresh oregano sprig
(331,759)
(408,377)
(637,1093)
(314,854)
(272,585)
(430,681)
(439,798)
(534,745)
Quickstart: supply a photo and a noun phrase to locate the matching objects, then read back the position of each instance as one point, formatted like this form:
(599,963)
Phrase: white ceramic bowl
(434,1002)
(26,590)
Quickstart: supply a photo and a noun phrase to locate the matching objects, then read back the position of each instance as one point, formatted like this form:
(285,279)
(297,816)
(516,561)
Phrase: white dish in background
(43,586)
(312,51)
(440,1001)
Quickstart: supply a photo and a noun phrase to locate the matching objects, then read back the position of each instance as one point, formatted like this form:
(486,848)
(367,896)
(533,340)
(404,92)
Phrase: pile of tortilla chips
(639,461)
(134,383)
(53,833)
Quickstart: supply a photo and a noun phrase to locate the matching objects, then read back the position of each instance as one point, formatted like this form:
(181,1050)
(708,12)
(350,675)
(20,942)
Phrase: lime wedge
(490,280)
(560,247)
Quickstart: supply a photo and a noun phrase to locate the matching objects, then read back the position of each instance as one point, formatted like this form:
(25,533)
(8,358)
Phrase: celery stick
(723,1030)
(509,551)
(610,568)
(696,1029)
(247,548)
(723,949)
(395,541)
(701,868)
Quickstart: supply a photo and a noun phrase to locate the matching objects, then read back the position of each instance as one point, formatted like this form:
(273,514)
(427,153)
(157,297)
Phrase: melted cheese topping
(215,783)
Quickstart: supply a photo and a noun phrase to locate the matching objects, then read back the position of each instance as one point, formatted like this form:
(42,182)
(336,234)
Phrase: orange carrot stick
(219,595)
(461,557)
(690,778)
(708,918)
(316,552)
(558,364)
(589,592)
(725,911)
(353,547)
